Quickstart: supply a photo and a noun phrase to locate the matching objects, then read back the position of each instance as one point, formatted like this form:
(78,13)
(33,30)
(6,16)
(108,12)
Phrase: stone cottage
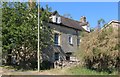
(66,37)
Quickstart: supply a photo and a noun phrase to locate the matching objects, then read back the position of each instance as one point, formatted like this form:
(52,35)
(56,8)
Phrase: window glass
(56,56)
(56,38)
(70,40)
(78,41)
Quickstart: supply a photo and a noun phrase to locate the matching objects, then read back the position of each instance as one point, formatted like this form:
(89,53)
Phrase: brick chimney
(83,19)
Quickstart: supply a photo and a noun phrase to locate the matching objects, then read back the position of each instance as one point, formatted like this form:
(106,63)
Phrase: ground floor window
(56,56)
(68,55)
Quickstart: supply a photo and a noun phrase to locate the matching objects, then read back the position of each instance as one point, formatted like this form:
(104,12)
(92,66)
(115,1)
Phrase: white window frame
(57,39)
(70,39)
(58,20)
(54,19)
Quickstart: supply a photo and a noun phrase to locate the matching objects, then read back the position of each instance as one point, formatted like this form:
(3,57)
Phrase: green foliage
(19,32)
(92,29)
(99,23)
(78,70)
(45,32)
(18,25)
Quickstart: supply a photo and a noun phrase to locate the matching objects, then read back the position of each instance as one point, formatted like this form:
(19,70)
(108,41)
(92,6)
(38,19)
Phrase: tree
(19,33)
(99,23)
(92,29)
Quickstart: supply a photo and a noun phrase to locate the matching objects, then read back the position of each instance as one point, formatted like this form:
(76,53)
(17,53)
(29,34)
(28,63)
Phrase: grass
(77,70)
(74,70)
(84,71)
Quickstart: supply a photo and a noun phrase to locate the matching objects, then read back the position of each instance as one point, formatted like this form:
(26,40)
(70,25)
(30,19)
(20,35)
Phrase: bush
(99,50)
(102,62)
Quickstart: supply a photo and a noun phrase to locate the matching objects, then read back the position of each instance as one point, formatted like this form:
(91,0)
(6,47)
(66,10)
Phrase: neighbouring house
(66,37)
(114,23)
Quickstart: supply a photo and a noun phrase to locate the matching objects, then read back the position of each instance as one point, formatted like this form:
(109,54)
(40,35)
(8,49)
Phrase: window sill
(71,44)
(56,44)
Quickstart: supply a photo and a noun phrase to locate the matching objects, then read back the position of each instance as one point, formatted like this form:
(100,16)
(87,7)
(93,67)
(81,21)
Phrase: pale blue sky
(92,10)
(68,0)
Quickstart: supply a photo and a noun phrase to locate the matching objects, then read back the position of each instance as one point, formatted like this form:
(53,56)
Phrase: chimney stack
(83,19)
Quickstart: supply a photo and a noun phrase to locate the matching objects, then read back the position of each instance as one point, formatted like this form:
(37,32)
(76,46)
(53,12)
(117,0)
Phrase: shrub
(99,50)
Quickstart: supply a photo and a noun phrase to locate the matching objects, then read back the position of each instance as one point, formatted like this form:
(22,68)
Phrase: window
(56,56)
(68,55)
(56,19)
(56,39)
(78,41)
(48,26)
(59,20)
(70,40)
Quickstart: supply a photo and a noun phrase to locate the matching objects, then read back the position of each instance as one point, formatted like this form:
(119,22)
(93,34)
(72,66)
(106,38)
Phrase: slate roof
(70,22)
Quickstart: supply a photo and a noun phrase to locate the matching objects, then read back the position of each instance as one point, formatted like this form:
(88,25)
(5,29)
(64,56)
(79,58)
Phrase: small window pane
(56,36)
(70,40)
(78,41)
(56,56)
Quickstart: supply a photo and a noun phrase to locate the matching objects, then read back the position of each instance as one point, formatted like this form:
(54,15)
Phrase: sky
(92,10)
(66,0)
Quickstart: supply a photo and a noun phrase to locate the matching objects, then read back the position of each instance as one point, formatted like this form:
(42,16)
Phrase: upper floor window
(56,19)
(56,39)
(70,39)
(78,41)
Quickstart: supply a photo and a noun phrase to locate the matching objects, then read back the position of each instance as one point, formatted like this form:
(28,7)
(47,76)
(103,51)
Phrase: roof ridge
(70,19)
